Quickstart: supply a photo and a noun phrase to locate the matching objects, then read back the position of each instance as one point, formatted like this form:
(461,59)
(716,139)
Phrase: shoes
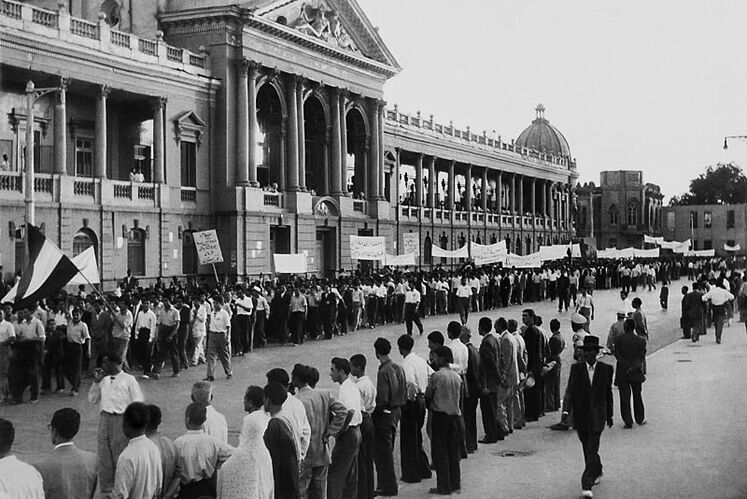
(642,423)
(560,427)
(434,490)
(175,375)
(229,376)
(145,376)
(486,441)
(628,426)
(154,375)
(209,378)
(73,393)
(587,493)
(598,479)
(381,493)
(33,401)
(60,390)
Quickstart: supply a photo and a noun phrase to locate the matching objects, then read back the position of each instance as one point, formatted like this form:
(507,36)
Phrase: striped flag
(47,272)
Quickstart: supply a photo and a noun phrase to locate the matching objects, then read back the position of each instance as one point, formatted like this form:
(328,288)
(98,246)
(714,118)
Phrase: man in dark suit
(474,390)
(630,351)
(68,472)
(490,380)
(589,395)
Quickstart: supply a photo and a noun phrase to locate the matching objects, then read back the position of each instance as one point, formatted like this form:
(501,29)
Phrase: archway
(189,254)
(269,137)
(428,249)
(84,239)
(355,157)
(315,134)
(136,252)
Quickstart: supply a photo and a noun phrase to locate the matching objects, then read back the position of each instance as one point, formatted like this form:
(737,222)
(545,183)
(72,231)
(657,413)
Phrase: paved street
(693,446)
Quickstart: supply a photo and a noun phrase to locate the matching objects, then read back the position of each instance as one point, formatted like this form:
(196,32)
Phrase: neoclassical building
(264,120)
(618,212)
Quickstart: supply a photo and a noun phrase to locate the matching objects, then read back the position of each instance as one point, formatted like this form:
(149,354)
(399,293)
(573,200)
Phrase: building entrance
(325,255)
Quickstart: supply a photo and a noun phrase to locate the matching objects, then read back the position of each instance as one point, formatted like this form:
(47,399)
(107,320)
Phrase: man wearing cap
(630,352)
(616,330)
(578,325)
(589,395)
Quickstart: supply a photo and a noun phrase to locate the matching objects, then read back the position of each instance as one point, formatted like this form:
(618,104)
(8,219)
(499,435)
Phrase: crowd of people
(513,375)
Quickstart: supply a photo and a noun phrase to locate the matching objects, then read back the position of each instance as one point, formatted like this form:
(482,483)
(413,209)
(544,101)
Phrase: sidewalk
(694,445)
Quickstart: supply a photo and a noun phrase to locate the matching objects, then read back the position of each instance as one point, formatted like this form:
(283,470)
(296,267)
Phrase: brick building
(708,226)
(265,121)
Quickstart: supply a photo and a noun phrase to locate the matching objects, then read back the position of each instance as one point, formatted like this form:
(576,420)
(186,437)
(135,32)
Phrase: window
(730,219)
(633,213)
(83,157)
(612,243)
(583,216)
(707,244)
(189,254)
(695,245)
(707,220)
(694,219)
(428,250)
(613,215)
(189,164)
(136,252)
(84,239)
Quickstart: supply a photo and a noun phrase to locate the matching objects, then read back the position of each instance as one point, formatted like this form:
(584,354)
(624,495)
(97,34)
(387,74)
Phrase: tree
(724,184)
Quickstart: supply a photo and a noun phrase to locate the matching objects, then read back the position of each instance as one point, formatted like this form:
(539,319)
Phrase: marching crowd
(513,375)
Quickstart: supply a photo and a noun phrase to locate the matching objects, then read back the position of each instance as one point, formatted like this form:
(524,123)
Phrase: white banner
(650,253)
(682,247)
(208,247)
(652,240)
(702,253)
(737,247)
(367,248)
(485,254)
(86,263)
(411,243)
(530,261)
(437,252)
(290,264)
(400,260)
(559,251)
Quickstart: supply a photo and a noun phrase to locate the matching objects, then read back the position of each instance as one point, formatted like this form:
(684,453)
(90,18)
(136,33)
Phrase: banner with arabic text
(367,247)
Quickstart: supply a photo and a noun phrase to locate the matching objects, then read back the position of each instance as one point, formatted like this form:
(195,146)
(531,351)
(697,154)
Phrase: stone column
(553,211)
(159,174)
(336,167)
(432,182)
(521,196)
(101,132)
(283,153)
(468,188)
(344,143)
(546,197)
(382,180)
(60,130)
(533,199)
(325,190)
(484,193)
(396,177)
(242,127)
(301,137)
(499,193)
(512,208)
(452,186)
(374,163)
(253,124)
(292,127)
(419,181)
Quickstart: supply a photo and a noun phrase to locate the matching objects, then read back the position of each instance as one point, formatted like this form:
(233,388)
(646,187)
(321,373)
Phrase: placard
(411,243)
(208,247)
(530,261)
(399,260)
(651,253)
(290,264)
(486,254)
(367,247)
(437,252)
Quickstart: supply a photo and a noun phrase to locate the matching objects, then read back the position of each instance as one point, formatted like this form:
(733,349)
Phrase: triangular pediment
(339,23)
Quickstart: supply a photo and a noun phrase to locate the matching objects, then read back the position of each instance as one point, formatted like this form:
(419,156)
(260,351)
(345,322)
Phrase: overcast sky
(642,85)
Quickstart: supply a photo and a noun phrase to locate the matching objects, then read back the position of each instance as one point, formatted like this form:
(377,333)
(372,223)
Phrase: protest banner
(559,251)
(530,261)
(652,240)
(736,247)
(208,247)
(399,260)
(486,254)
(290,263)
(650,253)
(367,248)
(411,243)
(437,252)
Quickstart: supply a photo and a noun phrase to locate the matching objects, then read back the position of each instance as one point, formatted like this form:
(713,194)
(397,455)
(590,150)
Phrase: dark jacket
(590,400)
(473,381)
(630,351)
(490,354)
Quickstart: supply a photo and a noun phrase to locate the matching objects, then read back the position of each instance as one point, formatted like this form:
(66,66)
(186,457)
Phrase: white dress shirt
(718,296)
(7,331)
(198,326)
(461,355)
(147,320)
(220,321)
(198,455)
(412,296)
(417,371)
(368,393)
(246,302)
(590,370)
(294,409)
(350,397)
(139,471)
(115,393)
(19,480)
(464,291)
(215,425)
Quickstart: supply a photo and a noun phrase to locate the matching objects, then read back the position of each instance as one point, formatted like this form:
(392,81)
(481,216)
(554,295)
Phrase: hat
(591,342)
(621,313)
(578,318)
(257,289)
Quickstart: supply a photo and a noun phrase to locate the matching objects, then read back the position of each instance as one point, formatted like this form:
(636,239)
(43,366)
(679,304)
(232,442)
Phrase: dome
(543,137)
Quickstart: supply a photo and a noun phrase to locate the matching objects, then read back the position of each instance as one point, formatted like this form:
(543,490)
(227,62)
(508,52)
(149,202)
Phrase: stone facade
(618,212)
(708,226)
(265,121)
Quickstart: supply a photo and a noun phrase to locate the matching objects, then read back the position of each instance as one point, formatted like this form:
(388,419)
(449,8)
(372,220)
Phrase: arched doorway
(136,252)
(315,134)
(269,137)
(428,249)
(84,239)
(189,254)
(355,159)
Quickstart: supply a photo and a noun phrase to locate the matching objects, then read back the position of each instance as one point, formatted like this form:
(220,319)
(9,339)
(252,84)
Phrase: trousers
(445,450)
(366,458)
(218,348)
(593,467)
(385,424)
(111,442)
(342,482)
(414,461)
(626,388)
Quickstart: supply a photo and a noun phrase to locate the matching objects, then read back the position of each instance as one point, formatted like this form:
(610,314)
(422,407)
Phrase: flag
(86,264)
(47,272)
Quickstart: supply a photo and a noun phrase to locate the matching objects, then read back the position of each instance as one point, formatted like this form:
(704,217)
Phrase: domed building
(541,136)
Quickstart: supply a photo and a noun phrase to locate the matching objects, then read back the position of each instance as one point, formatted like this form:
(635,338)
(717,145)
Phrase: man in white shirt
(718,297)
(342,480)
(254,399)
(244,308)
(412,307)
(17,479)
(463,296)
(139,470)
(459,349)
(77,337)
(415,465)
(7,337)
(146,333)
(295,410)
(218,346)
(113,390)
(199,330)
(367,391)
(215,424)
(24,364)
(121,329)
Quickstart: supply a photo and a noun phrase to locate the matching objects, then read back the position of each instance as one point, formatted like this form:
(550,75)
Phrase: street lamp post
(741,137)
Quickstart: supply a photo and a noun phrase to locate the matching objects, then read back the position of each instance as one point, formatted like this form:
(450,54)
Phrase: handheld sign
(208,247)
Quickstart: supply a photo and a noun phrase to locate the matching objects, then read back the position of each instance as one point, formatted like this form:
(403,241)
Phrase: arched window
(84,239)
(428,250)
(136,252)
(632,218)
(583,216)
(189,254)
(614,216)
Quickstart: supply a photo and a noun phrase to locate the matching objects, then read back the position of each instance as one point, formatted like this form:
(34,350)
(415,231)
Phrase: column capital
(158,103)
(104,91)
(242,65)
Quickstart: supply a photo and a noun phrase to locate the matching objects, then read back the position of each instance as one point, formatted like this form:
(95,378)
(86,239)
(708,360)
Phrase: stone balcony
(57,27)
(476,218)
